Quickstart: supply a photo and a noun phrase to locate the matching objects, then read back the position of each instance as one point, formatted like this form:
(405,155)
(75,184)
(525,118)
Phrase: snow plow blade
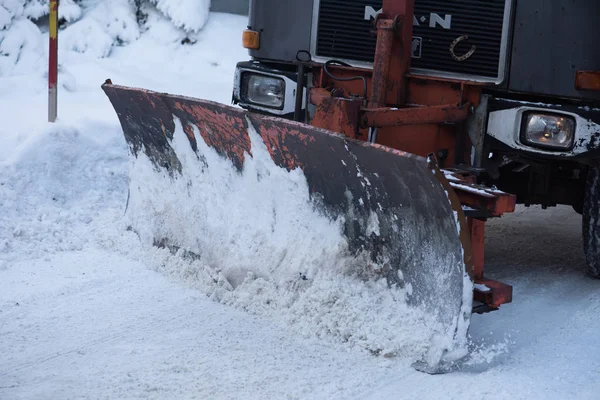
(400,220)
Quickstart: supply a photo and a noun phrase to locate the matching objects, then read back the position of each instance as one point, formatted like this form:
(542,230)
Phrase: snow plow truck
(412,122)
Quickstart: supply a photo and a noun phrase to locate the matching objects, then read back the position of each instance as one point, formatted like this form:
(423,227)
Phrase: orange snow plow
(369,156)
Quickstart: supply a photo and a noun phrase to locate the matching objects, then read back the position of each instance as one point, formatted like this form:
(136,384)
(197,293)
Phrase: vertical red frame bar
(53,62)
(401,49)
(477,228)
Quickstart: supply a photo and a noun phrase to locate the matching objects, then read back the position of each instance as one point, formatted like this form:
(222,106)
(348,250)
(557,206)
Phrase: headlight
(263,90)
(551,131)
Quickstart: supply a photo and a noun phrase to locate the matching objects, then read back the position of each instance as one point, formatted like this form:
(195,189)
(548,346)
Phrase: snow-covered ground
(88,312)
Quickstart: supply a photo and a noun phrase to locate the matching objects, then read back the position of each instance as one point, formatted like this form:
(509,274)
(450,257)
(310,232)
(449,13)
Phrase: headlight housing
(548,130)
(263,90)
(260,88)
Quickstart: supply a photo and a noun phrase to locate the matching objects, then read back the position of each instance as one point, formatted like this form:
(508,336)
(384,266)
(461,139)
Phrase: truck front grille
(344,33)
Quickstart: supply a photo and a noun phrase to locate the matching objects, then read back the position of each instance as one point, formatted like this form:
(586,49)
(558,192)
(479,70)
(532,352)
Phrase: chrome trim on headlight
(240,92)
(547,130)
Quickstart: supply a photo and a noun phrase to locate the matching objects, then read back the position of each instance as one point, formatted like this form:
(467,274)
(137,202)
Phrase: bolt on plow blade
(284,202)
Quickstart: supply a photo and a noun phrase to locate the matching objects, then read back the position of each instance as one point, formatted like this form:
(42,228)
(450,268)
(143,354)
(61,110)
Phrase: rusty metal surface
(422,140)
(495,205)
(477,229)
(380,117)
(353,179)
(386,31)
(336,114)
(401,48)
(420,91)
(355,87)
(495,202)
(392,53)
(495,294)
(434,92)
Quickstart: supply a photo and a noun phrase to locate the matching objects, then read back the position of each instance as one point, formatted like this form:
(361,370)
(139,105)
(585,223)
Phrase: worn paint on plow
(410,203)
(415,249)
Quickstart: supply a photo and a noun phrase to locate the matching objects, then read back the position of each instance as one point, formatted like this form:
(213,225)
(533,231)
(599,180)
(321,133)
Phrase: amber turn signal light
(251,39)
(587,80)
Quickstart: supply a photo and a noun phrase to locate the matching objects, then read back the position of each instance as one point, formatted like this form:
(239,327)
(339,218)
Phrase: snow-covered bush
(92,26)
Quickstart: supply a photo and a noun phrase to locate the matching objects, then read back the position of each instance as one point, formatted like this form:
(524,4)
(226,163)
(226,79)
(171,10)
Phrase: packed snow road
(95,324)
(88,313)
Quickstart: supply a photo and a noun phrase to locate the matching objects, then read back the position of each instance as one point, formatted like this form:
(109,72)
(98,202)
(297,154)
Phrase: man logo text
(435,20)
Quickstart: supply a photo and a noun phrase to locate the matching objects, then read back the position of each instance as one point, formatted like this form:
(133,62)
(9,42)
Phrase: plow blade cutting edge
(399,220)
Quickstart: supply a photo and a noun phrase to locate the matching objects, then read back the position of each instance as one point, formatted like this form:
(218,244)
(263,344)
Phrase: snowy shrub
(91,26)
(68,11)
(107,23)
(21,47)
(5,18)
(189,15)
(87,36)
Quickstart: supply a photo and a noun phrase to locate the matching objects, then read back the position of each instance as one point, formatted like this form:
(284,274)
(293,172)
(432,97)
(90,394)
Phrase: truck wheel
(590,222)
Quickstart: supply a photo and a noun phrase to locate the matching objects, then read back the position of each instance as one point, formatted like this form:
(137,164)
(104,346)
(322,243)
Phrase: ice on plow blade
(360,241)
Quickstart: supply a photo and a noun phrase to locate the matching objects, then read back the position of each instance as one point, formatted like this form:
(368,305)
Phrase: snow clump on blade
(254,240)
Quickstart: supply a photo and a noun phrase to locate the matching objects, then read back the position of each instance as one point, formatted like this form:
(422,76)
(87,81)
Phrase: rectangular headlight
(549,131)
(264,90)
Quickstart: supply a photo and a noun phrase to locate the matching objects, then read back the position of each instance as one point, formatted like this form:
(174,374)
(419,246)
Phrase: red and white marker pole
(53,63)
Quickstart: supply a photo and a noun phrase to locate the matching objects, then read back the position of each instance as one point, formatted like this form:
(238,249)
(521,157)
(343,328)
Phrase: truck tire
(590,222)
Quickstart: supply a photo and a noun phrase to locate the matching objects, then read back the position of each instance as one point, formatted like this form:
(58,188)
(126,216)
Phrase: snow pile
(57,178)
(88,26)
(53,187)
(485,352)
